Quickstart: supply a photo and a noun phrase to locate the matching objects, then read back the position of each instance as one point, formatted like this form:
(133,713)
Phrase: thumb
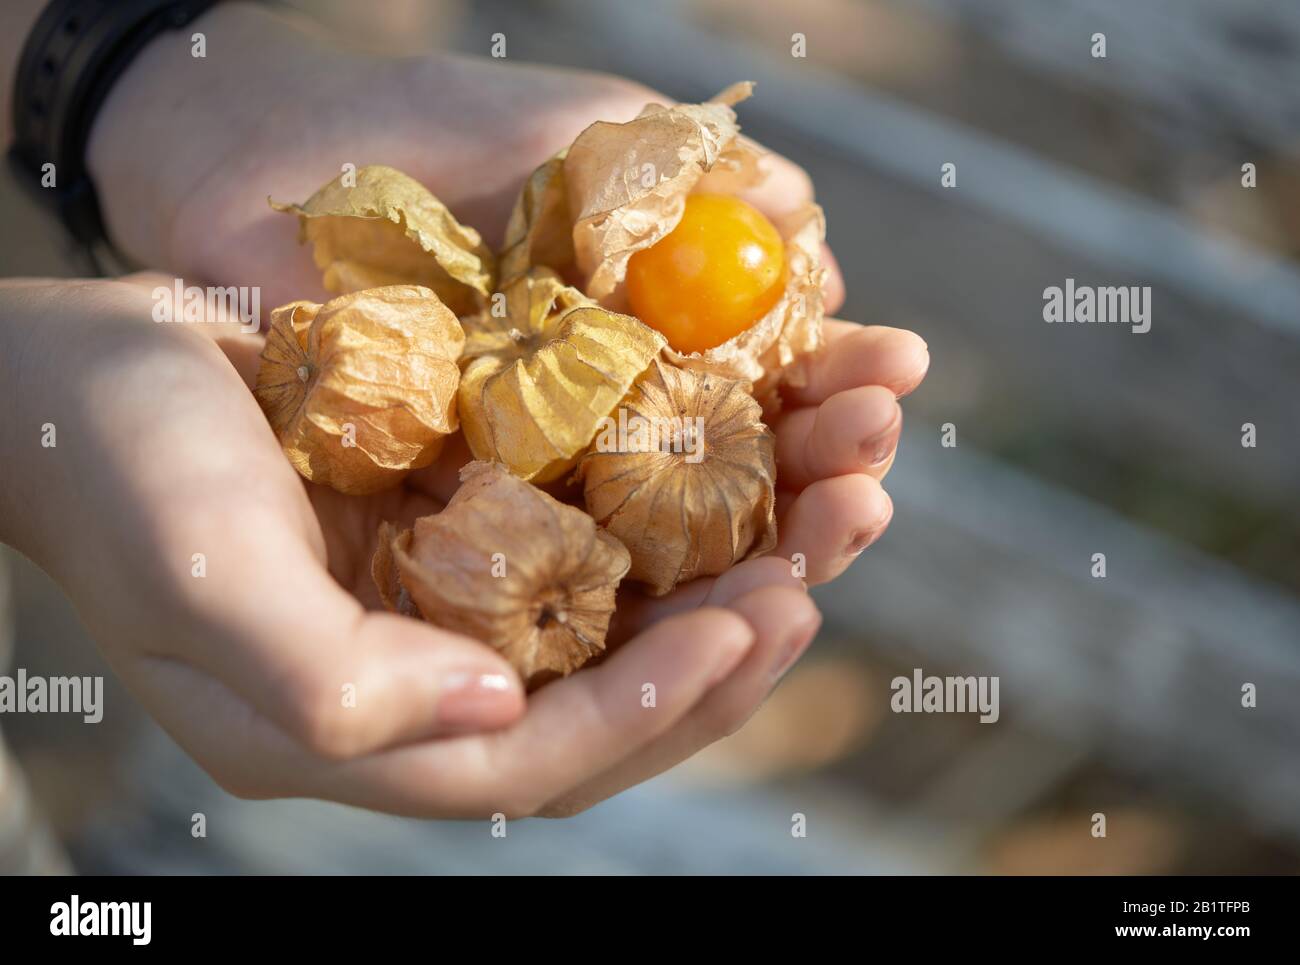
(341,680)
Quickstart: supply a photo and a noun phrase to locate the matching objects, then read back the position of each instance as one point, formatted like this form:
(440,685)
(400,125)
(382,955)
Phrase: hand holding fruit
(686,486)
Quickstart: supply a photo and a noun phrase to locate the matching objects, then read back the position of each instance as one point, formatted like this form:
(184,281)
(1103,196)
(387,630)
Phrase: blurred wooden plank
(952,61)
(987,571)
(639,832)
(1215,68)
(1004,772)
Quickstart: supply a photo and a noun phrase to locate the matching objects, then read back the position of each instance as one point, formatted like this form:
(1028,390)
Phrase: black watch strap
(69,62)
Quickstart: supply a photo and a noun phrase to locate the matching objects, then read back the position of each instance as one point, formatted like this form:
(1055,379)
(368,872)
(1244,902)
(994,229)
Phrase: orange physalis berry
(716,274)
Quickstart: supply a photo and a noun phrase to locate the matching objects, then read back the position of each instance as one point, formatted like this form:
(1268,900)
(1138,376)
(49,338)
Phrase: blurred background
(1119,695)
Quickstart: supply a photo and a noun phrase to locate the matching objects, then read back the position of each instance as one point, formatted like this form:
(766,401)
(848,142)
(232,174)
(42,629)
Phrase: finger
(638,611)
(574,729)
(855,355)
(785,188)
(785,620)
(340,680)
(833,286)
(853,431)
(831,522)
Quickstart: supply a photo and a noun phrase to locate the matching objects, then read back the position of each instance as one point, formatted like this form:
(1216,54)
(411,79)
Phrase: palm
(350,525)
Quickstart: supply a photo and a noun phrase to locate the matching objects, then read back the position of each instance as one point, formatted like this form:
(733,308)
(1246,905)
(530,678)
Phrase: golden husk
(682,519)
(539,231)
(388,229)
(627,183)
(382,361)
(539,377)
(509,565)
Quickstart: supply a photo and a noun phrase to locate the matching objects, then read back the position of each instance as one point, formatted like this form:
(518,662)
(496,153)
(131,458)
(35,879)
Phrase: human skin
(162,453)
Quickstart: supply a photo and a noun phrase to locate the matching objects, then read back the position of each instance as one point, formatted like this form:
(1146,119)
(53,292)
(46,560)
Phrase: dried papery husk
(764,354)
(525,316)
(627,183)
(539,231)
(538,380)
(387,229)
(682,519)
(509,565)
(383,361)
(383,570)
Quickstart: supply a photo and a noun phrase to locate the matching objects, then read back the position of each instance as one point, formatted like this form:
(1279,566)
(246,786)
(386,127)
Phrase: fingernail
(795,646)
(924,360)
(860,542)
(881,446)
(864,538)
(469,700)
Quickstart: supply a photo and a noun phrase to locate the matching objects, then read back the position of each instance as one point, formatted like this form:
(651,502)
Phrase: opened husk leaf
(362,389)
(627,183)
(388,229)
(621,188)
(511,566)
(539,231)
(693,492)
(539,379)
